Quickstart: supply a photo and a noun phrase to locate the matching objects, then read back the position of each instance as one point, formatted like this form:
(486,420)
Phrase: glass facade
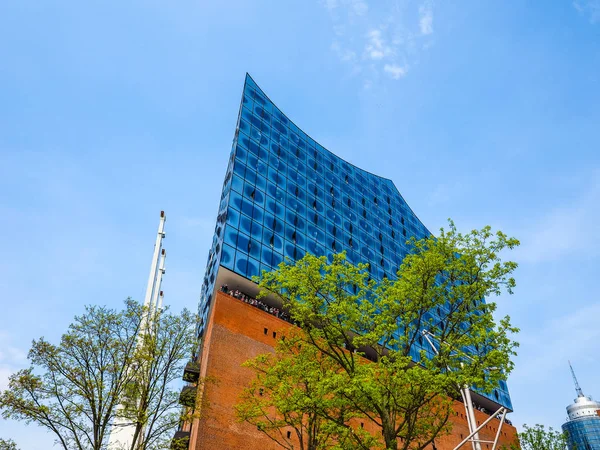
(285,195)
(583,433)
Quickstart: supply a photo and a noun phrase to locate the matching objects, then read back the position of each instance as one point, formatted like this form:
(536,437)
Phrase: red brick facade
(237,332)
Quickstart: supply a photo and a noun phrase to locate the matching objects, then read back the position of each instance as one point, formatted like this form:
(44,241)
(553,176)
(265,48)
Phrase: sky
(484,112)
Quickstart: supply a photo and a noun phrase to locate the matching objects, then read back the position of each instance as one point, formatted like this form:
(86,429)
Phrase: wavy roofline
(332,153)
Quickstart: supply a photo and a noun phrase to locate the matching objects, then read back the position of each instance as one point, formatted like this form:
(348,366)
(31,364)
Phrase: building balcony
(181,440)
(191,373)
(187,397)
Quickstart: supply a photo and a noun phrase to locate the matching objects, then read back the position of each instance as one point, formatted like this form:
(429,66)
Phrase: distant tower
(583,423)
(121,435)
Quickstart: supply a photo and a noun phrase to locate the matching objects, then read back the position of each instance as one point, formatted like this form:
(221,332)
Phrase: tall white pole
(471,413)
(154,306)
(151,286)
(122,431)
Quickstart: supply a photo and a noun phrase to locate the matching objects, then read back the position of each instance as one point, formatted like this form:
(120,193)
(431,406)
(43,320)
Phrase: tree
(7,444)
(438,297)
(105,358)
(152,405)
(538,438)
(289,400)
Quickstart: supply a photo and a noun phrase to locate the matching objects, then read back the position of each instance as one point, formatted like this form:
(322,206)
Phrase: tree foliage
(7,444)
(439,290)
(106,358)
(538,438)
(293,382)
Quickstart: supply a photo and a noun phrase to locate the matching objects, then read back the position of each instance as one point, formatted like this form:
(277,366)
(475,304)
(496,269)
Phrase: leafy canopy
(438,293)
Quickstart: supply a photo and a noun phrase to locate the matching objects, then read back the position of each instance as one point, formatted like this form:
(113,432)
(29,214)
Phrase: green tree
(152,403)
(290,400)
(439,291)
(538,438)
(106,358)
(8,444)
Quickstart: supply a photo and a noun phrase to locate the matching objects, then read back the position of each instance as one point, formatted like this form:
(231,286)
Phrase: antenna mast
(577,388)
(123,430)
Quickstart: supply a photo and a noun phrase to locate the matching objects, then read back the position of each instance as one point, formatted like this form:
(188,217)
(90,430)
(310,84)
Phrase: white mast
(122,432)
(156,305)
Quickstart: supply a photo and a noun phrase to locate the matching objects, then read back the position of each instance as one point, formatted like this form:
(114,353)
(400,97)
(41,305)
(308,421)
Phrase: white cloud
(426,19)
(356,7)
(380,38)
(359,7)
(330,4)
(376,47)
(590,8)
(395,71)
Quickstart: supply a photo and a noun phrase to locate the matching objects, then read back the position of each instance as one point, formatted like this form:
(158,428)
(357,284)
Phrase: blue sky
(485,112)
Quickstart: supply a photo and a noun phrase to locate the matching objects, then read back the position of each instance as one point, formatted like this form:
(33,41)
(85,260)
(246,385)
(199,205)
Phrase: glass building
(583,423)
(285,195)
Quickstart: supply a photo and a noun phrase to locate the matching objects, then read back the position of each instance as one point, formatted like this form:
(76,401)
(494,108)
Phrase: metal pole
(470,436)
(157,247)
(471,413)
(471,425)
(161,270)
(499,429)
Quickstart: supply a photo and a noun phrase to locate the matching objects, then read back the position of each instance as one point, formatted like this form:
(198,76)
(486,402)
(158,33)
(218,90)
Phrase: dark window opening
(375,200)
(295,221)
(363,201)
(402,220)
(294,237)
(272,240)
(333,202)
(261,391)
(296,191)
(253,194)
(266,330)
(365,213)
(289,434)
(274,334)
(393,234)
